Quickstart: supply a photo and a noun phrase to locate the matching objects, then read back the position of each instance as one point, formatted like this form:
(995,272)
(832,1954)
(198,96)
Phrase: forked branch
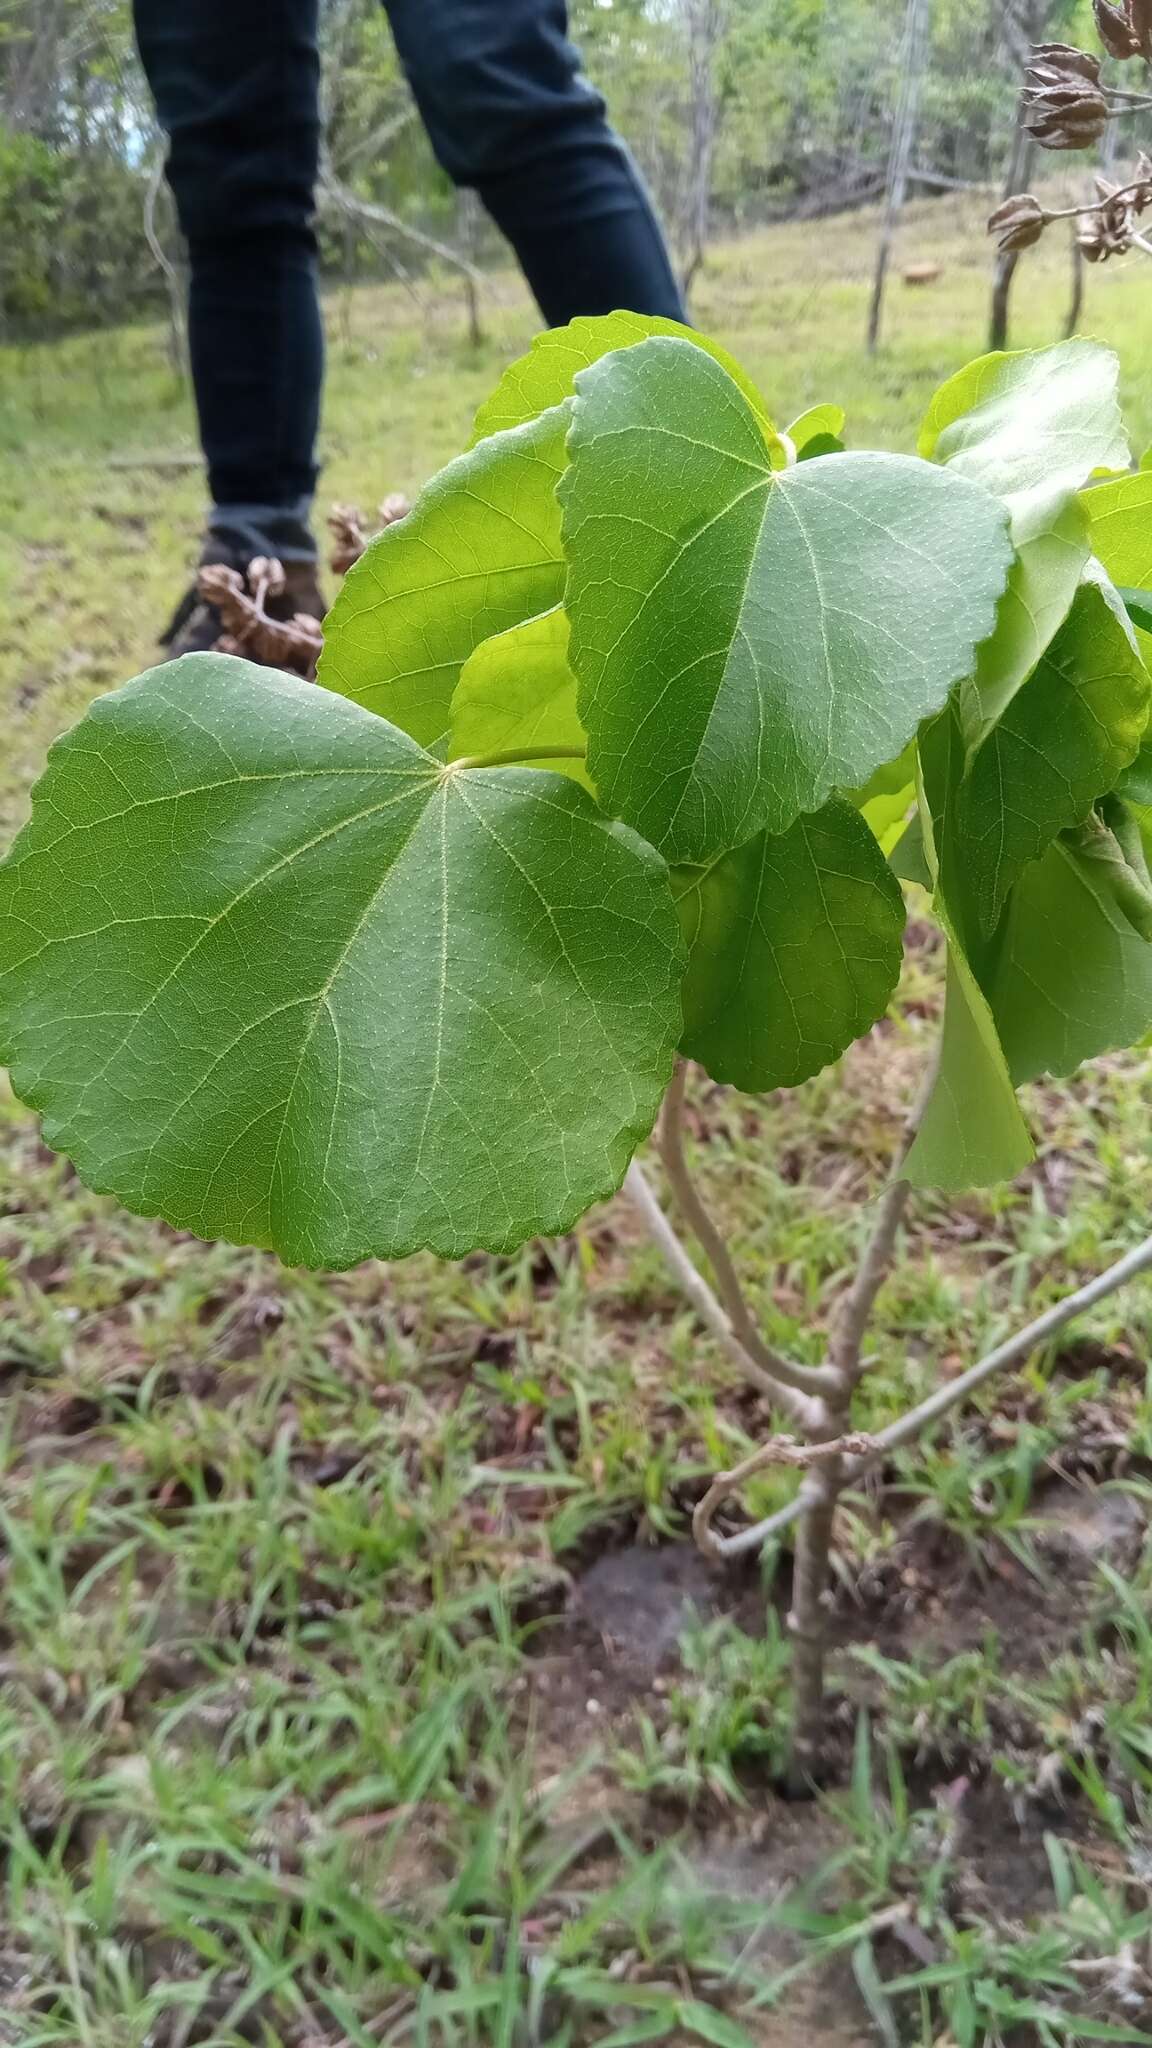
(782,1450)
(811,1380)
(789,1399)
(909,1426)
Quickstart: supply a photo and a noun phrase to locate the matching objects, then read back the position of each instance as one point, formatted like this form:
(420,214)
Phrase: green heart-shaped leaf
(273,972)
(546,374)
(1034,421)
(747,642)
(1032,427)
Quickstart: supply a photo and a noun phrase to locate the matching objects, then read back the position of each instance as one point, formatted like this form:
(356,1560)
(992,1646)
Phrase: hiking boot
(196,625)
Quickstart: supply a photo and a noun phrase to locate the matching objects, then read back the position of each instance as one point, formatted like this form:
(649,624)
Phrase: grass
(340,1696)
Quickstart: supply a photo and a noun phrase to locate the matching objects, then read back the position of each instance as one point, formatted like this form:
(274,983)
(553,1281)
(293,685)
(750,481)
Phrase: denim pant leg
(509,112)
(236,85)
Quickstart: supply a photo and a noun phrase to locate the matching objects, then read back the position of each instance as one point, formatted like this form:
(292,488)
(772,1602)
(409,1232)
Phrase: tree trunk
(705,21)
(808,1616)
(1076,302)
(1031,29)
(914,60)
(1019,172)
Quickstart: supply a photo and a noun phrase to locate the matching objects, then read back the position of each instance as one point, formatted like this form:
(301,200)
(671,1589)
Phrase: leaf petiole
(517,757)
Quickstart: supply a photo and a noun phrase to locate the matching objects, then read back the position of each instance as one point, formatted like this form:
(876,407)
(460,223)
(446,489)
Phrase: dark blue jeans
(236,84)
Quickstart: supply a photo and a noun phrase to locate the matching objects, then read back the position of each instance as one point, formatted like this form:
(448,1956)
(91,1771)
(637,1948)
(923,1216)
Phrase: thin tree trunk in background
(705,21)
(1108,149)
(467,222)
(1018,174)
(1076,302)
(914,61)
(173,281)
(1016,178)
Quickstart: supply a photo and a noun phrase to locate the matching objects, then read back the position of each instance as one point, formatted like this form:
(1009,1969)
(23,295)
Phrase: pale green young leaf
(886,799)
(972,1133)
(821,423)
(546,374)
(270,970)
(747,642)
(794,950)
(1072,972)
(517,695)
(887,817)
(1063,741)
(1034,421)
(479,551)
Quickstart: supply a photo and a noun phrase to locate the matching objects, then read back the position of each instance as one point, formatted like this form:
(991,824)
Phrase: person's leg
(509,112)
(236,86)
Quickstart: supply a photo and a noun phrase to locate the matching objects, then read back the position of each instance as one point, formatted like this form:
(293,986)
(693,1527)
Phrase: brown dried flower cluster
(292,644)
(1110,228)
(1106,229)
(349,536)
(1064,105)
(1018,223)
(1062,102)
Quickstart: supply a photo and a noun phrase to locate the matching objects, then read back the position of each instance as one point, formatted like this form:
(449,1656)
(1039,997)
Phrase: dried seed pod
(1062,63)
(1106,233)
(1018,223)
(1140,17)
(1114,27)
(1064,116)
(1115,219)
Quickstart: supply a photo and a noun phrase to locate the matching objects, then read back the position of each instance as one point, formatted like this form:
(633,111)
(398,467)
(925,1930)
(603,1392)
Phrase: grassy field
(359,1681)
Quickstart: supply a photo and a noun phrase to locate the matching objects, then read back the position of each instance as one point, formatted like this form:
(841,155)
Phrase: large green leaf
(479,551)
(1072,974)
(972,1133)
(794,950)
(546,375)
(272,971)
(746,642)
(1032,422)
(1061,743)
(517,696)
(1031,427)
